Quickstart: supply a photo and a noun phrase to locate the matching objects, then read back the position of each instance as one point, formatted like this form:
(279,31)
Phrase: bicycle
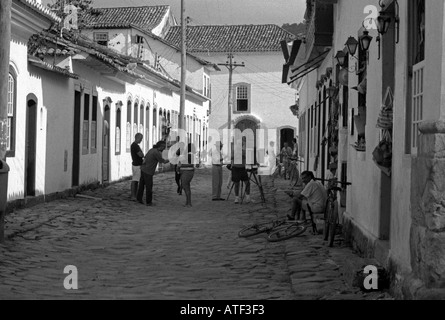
(278,169)
(294,173)
(293,229)
(263,227)
(331,217)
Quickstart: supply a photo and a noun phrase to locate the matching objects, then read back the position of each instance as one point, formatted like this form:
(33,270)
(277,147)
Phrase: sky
(224,12)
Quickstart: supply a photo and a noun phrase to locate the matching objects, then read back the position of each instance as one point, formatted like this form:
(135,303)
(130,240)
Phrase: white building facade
(77,106)
(391,92)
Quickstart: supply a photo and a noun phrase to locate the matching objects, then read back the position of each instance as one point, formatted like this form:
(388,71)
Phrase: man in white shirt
(217,173)
(313,195)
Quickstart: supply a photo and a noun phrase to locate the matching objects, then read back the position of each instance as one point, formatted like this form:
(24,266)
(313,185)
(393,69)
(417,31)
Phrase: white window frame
(417,104)
(101,37)
(11,108)
(206,86)
(237,96)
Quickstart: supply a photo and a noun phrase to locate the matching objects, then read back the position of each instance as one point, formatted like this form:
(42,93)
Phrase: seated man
(313,195)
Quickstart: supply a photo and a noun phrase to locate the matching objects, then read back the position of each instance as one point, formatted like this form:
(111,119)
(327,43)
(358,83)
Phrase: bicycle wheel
(258,228)
(286,232)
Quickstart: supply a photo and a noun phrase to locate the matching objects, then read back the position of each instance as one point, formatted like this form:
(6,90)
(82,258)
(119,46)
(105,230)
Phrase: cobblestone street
(125,250)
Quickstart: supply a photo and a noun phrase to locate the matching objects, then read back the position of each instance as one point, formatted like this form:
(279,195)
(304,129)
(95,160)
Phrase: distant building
(259,99)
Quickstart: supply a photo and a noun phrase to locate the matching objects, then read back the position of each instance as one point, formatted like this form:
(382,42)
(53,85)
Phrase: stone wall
(427,241)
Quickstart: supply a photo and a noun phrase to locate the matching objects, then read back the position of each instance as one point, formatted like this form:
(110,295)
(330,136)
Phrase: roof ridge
(233,25)
(135,7)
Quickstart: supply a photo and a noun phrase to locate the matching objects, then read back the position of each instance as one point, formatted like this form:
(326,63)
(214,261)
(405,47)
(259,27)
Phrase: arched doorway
(248,124)
(286,135)
(31,146)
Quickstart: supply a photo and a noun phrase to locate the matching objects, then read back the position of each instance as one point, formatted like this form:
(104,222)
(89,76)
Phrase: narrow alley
(125,250)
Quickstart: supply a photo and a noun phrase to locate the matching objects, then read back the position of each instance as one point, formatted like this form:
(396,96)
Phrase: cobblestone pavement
(125,250)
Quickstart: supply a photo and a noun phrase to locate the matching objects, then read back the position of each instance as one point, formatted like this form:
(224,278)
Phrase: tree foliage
(298,29)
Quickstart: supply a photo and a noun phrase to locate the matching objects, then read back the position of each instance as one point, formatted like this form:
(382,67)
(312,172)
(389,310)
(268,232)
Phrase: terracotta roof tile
(32,4)
(144,17)
(238,38)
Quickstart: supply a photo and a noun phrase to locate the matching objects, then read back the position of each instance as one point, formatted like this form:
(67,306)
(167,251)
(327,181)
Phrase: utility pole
(230,65)
(5,38)
(181,124)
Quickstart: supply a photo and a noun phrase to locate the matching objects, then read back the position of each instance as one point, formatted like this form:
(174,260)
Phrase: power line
(231,66)
(266,88)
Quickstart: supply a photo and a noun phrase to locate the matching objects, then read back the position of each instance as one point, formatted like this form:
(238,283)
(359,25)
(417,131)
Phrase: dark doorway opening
(76,139)
(31,148)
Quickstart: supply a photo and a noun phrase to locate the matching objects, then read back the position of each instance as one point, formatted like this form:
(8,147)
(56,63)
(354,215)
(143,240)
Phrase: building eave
(49,67)
(26,21)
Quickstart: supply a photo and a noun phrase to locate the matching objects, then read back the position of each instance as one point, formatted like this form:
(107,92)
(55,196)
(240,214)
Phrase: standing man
(148,169)
(138,157)
(239,172)
(217,172)
(295,149)
(286,152)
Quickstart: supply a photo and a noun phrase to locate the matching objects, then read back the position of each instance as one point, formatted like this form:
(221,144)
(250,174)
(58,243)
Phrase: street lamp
(365,41)
(383,22)
(341,58)
(352,45)
(332,91)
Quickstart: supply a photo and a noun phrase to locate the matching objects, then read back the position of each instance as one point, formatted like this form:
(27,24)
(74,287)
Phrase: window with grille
(242,97)
(101,38)
(11,109)
(417,104)
(416,61)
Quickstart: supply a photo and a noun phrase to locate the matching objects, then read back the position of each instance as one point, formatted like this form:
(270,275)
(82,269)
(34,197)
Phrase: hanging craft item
(316,163)
(382,154)
(361,88)
(385,118)
(360,145)
(360,120)
(343,77)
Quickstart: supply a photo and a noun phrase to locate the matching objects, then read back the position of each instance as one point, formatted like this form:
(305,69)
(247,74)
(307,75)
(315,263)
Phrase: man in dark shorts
(239,173)
(138,157)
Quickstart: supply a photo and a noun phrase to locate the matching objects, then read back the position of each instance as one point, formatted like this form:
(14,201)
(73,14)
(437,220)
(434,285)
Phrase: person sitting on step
(313,196)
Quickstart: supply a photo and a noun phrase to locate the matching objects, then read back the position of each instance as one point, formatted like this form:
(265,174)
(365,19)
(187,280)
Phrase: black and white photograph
(222,155)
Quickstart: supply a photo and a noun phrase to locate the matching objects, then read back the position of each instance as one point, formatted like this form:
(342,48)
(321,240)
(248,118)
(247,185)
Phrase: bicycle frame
(331,210)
